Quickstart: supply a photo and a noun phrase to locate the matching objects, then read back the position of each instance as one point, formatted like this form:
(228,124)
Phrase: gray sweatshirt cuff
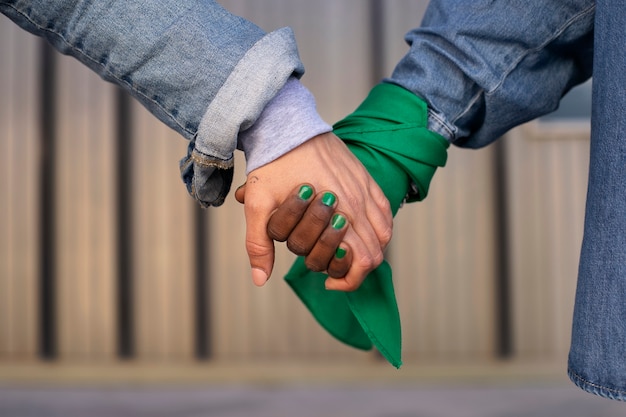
(287,121)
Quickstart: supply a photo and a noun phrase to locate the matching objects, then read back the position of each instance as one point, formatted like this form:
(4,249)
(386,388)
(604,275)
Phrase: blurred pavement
(295,390)
(307,401)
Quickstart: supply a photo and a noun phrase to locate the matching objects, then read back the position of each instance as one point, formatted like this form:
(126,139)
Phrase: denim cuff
(207,169)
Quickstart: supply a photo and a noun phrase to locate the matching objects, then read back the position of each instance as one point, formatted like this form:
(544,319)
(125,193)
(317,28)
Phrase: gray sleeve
(287,121)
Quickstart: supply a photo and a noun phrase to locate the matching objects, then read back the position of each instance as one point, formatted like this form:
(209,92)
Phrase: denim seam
(205,160)
(438,124)
(470,104)
(120,80)
(516,63)
(554,36)
(594,385)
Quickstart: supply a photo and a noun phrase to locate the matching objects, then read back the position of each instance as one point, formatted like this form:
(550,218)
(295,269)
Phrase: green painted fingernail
(338,221)
(328,199)
(340,253)
(305,192)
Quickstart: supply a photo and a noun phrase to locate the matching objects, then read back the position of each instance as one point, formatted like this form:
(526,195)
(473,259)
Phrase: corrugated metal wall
(103,254)
(19,202)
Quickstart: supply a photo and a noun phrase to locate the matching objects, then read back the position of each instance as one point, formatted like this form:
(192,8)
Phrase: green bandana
(388,134)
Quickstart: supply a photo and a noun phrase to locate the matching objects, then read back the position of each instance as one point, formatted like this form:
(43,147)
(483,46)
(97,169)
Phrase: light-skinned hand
(326,164)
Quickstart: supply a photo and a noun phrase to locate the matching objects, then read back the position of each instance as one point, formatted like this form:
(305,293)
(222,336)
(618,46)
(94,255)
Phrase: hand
(313,229)
(327,164)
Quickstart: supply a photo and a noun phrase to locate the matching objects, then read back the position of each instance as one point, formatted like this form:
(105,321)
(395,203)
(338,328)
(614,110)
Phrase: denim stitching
(469,106)
(439,125)
(594,385)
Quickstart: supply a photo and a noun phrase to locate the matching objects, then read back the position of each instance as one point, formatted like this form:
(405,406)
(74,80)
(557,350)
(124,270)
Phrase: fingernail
(328,199)
(340,253)
(305,192)
(259,277)
(338,221)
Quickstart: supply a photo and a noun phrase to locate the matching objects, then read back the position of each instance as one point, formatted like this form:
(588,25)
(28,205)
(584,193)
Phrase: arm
(480,69)
(209,75)
(204,72)
(485,67)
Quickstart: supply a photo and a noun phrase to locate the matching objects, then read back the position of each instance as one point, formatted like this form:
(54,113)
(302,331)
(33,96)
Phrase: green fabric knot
(390,128)
(388,134)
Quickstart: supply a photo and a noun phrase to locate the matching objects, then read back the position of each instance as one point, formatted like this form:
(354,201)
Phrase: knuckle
(365,262)
(327,242)
(354,200)
(386,236)
(378,259)
(277,232)
(351,286)
(297,247)
(369,262)
(256,249)
(314,265)
(384,204)
(293,211)
(256,207)
(337,271)
(318,219)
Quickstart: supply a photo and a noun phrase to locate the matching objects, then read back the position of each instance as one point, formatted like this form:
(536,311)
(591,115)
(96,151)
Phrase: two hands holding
(342,229)
(386,155)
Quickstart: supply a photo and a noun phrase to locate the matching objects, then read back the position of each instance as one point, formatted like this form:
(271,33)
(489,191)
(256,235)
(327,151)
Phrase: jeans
(484,67)
(597,361)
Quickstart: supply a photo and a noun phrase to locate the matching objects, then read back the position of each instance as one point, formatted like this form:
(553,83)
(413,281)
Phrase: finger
(289,213)
(240,193)
(367,251)
(362,264)
(259,246)
(340,263)
(324,250)
(380,216)
(306,233)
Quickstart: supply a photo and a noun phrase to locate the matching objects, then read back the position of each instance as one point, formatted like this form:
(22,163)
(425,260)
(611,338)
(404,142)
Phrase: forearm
(201,70)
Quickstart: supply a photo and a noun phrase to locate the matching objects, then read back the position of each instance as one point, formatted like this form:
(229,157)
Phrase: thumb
(259,246)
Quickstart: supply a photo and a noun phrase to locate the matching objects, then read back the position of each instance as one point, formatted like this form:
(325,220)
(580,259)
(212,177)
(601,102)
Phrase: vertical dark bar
(202,285)
(377,58)
(124,226)
(377,40)
(504,335)
(47,273)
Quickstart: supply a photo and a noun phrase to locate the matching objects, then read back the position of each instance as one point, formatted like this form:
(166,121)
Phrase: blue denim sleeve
(201,70)
(484,67)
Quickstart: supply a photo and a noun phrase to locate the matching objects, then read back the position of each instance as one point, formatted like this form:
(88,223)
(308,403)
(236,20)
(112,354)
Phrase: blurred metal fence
(103,255)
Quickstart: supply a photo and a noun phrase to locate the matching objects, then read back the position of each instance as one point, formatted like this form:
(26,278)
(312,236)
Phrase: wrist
(390,128)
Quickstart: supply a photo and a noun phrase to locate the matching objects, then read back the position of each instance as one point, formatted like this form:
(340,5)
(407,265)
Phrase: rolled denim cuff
(207,169)
(208,179)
